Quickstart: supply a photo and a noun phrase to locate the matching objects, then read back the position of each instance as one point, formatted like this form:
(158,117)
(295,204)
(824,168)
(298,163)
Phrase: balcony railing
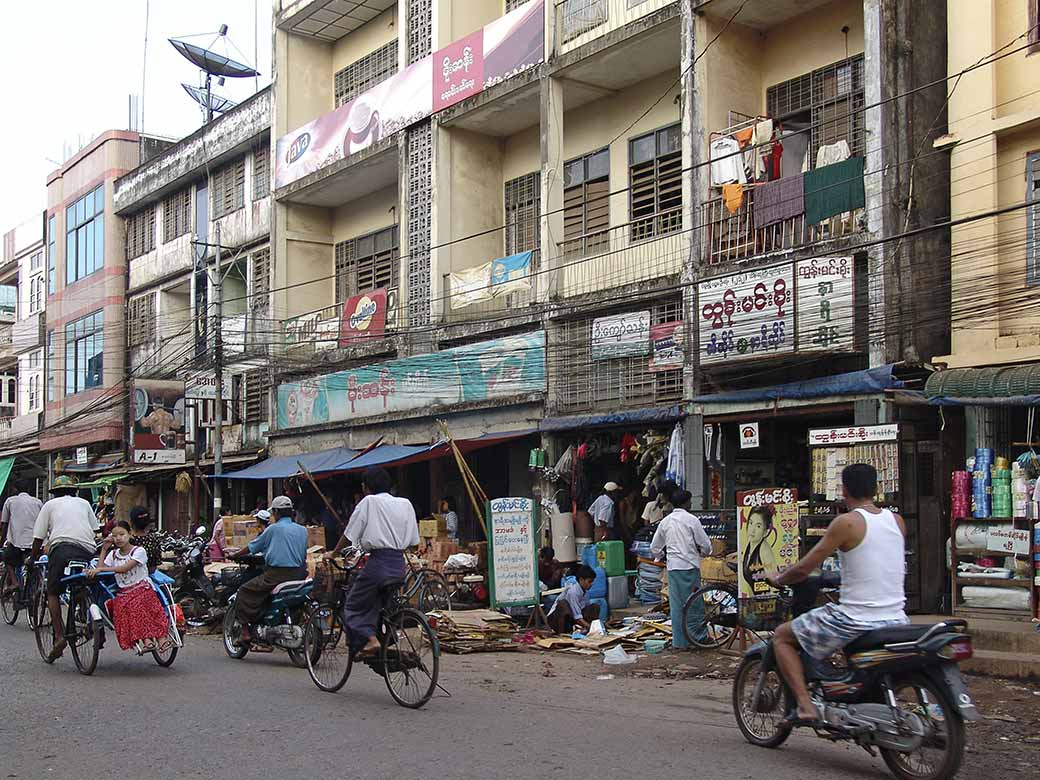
(580,21)
(638,251)
(729,236)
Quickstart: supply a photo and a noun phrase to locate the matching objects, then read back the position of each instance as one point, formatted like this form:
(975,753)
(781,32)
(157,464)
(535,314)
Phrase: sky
(69,66)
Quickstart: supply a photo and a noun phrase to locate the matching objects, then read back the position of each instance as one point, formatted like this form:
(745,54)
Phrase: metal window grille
(512,5)
(261,172)
(140,232)
(583,383)
(523,213)
(367,263)
(655,183)
(420,173)
(420,29)
(829,99)
(580,16)
(256,392)
(1034,26)
(176,215)
(228,188)
(1033,219)
(366,72)
(141,319)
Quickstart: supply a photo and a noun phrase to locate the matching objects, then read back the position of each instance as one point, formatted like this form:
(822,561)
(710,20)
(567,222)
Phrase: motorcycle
(204,598)
(898,690)
(282,624)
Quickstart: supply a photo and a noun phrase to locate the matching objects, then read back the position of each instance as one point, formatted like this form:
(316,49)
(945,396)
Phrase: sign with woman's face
(767,537)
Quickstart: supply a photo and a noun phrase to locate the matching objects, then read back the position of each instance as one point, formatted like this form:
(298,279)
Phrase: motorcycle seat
(290,585)
(880,637)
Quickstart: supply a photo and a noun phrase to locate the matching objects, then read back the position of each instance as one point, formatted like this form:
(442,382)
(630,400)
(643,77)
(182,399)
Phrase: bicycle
(409,652)
(23,598)
(428,588)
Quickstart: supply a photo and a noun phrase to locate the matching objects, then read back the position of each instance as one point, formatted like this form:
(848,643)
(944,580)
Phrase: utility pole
(218,371)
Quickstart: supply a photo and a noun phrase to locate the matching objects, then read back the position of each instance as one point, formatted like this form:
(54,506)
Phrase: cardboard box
(428,529)
(316,536)
(240,530)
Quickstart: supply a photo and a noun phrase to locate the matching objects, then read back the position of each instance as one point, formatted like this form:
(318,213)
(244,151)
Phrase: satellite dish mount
(212,63)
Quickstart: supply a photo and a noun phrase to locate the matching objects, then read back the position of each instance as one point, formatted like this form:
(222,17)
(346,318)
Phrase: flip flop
(794,720)
(366,655)
(57,651)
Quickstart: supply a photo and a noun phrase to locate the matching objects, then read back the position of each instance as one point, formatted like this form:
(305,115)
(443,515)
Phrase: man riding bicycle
(68,525)
(16,529)
(871,544)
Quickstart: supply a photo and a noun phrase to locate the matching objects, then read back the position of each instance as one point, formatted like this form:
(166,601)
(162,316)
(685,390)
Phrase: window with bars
(262,172)
(829,101)
(366,72)
(140,232)
(366,263)
(512,5)
(261,278)
(228,188)
(583,383)
(580,16)
(176,215)
(1034,26)
(256,395)
(141,319)
(523,200)
(586,205)
(1033,219)
(655,183)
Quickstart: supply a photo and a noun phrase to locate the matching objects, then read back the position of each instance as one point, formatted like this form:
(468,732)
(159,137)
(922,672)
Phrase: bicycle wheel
(410,656)
(44,626)
(83,636)
(165,652)
(33,585)
(434,595)
(8,601)
(326,648)
(719,619)
(233,634)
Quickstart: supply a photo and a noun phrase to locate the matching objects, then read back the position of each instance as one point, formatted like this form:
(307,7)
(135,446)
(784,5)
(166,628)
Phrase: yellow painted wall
(475,198)
(366,215)
(1015,76)
(1019,313)
(305,80)
(731,70)
(365,40)
(618,15)
(454,19)
(521,154)
(810,41)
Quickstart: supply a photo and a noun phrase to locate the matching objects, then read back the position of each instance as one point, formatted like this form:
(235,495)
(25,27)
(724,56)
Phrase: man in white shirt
(68,526)
(604,512)
(16,531)
(680,538)
(384,526)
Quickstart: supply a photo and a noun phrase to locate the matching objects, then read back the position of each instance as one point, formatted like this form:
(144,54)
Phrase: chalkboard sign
(513,552)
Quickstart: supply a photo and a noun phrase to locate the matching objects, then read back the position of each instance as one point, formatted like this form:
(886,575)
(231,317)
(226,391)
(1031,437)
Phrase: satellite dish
(215,103)
(211,62)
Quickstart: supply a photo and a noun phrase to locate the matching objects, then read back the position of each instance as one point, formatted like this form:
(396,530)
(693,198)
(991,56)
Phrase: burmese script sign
(745,315)
(512,525)
(621,335)
(826,305)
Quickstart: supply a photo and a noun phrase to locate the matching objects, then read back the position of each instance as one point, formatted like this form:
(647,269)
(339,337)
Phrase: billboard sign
(157,433)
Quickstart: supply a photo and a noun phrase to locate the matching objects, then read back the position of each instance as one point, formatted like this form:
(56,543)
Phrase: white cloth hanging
(675,468)
(828,154)
(727,163)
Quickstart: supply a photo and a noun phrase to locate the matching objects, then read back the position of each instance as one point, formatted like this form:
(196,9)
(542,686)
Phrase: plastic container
(563,540)
(611,556)
(588,555)
(617,592)
(599,585)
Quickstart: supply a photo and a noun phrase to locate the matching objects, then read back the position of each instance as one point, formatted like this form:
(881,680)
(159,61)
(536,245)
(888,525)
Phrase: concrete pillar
(693,430)
(877,141)
(551,135)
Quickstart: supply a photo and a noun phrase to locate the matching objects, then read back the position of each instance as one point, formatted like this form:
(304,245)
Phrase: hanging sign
(81,456)
(748,435)
(621,335)
(746,315)
(666,346)
(1008,540)
(767,537)
(364,317)
(512,525)
(826,305)
(854,434)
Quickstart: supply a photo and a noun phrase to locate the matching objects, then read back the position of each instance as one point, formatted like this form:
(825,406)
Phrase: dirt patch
(1008,737)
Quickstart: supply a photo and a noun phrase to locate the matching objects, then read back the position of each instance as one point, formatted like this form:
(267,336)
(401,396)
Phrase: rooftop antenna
(212,63)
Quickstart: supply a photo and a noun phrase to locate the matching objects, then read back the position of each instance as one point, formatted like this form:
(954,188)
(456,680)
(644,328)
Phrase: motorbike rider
(284,546)
(871,544)
(69,525)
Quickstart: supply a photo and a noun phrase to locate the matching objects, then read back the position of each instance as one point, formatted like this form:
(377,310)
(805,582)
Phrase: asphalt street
(510,715)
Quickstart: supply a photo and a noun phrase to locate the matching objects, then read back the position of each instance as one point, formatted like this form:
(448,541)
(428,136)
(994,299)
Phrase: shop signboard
(747,315)
(825,312)
(81,456)
(364,317)
(621,335)
(767,537)
(475,372)
(202,386)
(498,51)
(853,434)
(748,435)
(1007,539)
(158,421)
(512,525)
(666,346)
(319,329)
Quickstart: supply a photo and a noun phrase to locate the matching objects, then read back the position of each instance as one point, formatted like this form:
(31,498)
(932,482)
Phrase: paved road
(210,716)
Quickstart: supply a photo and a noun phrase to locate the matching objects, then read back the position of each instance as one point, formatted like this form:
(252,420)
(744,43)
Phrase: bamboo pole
(328,505)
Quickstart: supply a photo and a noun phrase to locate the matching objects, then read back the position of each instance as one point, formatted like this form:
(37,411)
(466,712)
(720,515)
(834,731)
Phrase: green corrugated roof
(1001,382)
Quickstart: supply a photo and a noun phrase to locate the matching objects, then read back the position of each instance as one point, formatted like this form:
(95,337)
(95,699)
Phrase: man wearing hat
(68,526)
(284,547)
(604,512)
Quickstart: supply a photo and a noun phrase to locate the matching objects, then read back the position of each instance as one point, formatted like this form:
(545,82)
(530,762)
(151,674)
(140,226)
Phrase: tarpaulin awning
(871,380)
(289,465)
(5,470)
(105,481)
(996,386)
(667,414)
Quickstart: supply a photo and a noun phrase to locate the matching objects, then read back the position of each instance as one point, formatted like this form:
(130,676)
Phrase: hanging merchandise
(675,469)
(566,463)
(629,448)
(709,431)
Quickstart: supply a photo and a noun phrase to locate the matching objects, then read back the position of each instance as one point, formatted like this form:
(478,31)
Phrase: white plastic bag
(616,656)
(596,629)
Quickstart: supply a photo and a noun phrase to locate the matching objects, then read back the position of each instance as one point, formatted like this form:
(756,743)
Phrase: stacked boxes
(240,530)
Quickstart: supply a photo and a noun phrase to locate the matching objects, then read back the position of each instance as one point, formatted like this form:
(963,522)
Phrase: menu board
(513,552)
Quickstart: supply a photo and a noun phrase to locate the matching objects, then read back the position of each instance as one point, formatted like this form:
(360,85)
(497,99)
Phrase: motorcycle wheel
(764,727)
(940,755)
(298,657)
(233,634)
(196,608)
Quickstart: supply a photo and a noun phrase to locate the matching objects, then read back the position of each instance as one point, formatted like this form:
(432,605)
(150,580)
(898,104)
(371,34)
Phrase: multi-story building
(210,188)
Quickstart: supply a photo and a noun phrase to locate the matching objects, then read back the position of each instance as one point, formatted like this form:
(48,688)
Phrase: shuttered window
(228,188)
(366,72)
(1033,219)
(256,392)
(140,232)
(522,201)
(176,215)
(366,263)
(586,206)
(261,278)
(1034,26)
(655,183)
(261,172)
(141,319)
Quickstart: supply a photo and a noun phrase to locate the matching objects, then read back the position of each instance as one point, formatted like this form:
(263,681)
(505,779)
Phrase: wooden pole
(476,494)
(328,505)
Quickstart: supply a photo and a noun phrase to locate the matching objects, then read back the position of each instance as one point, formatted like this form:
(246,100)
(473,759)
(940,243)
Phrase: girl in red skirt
(136,612)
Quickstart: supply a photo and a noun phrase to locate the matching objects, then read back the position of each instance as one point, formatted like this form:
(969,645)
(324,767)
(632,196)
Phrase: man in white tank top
(871,544)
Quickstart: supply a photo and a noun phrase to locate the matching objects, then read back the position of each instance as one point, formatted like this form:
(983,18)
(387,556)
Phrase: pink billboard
(500,50)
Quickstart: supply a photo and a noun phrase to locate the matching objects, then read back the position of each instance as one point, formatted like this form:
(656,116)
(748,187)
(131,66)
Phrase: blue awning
(667,414)
(289,465)
(871,380)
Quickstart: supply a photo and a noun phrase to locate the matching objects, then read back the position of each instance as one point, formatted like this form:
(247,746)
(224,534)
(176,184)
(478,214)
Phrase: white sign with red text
(747,315)
(854,434)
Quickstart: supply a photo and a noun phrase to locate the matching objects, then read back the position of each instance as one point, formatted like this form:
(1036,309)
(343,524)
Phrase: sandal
(57,651)
(794,720)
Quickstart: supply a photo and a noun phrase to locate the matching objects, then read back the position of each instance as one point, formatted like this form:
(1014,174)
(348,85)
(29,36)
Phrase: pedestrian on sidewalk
(680,538)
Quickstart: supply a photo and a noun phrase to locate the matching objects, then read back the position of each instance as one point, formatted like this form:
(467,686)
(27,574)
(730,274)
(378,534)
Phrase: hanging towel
(834,189)
(828,154)
(733,195)
(778,200)
(727,163)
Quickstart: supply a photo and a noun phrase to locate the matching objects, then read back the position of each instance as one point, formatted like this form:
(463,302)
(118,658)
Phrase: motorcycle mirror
(201,530)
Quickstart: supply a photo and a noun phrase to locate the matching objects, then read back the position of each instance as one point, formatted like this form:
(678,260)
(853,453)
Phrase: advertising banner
(500,50)
(745,315)
(475,372)
(621,335)
(364,317)
(666,346)
(826,305)
(158,421)
(767,537)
